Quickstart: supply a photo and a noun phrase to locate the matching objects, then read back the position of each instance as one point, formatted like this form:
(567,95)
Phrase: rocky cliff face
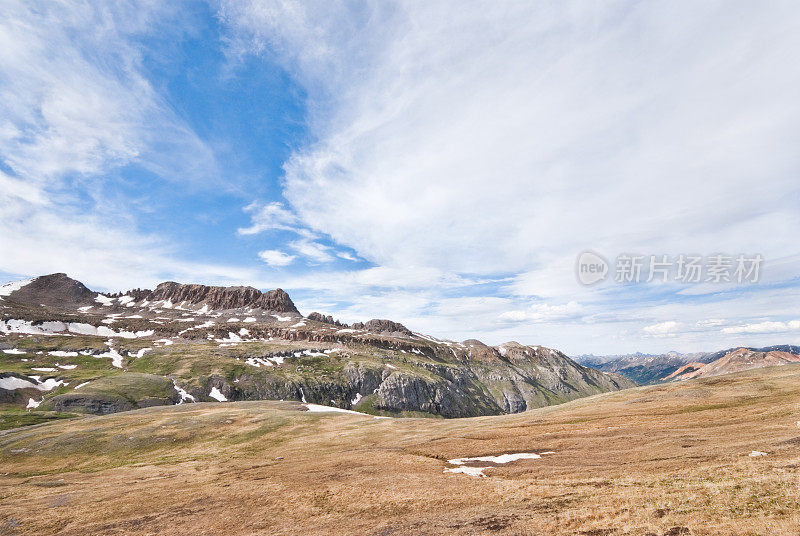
(224,297)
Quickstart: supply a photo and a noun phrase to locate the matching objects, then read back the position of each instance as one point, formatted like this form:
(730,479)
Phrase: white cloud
(269,216)
(542,312)
(764,327)
(314,251)
(662,328)
(274,257)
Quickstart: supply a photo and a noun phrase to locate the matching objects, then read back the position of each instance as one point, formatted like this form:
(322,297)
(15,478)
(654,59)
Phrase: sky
(441,164)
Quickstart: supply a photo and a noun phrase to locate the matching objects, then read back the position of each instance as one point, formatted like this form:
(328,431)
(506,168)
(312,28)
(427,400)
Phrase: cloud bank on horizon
(442,165)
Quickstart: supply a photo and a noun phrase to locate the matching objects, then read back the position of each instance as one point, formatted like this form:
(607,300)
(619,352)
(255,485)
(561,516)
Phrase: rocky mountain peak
(225,297)
(54,290)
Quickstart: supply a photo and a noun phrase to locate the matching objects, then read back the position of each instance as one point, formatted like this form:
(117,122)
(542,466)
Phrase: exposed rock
(325,319)
(383,327)
(225,297)
(123,392)
(54,290)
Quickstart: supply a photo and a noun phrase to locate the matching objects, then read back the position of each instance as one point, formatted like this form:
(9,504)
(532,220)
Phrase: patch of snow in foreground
(217,395)
(756,454)
(14,351)
(282,318)
(356,400)
(471,471)
(80,385)
(502,458)
(390,366)
(33,403)
(43,369)
(249,319)
(479,471)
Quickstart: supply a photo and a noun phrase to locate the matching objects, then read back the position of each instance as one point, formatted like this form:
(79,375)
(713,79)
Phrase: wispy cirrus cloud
(502,140)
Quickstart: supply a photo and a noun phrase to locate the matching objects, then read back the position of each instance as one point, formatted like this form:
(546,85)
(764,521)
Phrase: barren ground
(670,459)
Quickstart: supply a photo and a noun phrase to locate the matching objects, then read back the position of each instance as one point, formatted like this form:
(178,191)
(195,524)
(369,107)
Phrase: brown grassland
(663,460)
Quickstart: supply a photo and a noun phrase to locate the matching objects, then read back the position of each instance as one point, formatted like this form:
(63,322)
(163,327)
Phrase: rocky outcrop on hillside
(386,327)
(325,319)
(225,297)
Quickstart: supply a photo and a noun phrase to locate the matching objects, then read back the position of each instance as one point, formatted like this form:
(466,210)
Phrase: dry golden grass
(669,459)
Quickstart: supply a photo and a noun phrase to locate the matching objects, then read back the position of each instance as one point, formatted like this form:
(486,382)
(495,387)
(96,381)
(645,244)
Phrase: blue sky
(442,165)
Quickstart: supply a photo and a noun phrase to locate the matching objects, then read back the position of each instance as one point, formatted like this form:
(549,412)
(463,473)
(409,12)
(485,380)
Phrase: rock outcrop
(325,319)
(381,327)
(224,297)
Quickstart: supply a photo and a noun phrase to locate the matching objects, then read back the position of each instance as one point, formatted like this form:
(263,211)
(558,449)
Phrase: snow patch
(32,404)
(24,326)
(471,471)
(756,454)
(184,395)
(116,357)
(8,288)
(318,408)
(217,395)
(103,300)
(11,383)
(14,351)
(61,353)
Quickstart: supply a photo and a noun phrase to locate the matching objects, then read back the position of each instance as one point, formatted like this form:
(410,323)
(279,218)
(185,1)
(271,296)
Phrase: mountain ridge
(238,343)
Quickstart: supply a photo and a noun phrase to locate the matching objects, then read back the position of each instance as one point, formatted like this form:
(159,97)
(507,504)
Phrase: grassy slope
(639,461)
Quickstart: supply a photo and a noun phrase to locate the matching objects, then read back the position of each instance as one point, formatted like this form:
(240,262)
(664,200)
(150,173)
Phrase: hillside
(65,349)
(715,456)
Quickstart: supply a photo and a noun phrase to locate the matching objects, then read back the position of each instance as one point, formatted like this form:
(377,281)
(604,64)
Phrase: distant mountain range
(673,366)
(65,348)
